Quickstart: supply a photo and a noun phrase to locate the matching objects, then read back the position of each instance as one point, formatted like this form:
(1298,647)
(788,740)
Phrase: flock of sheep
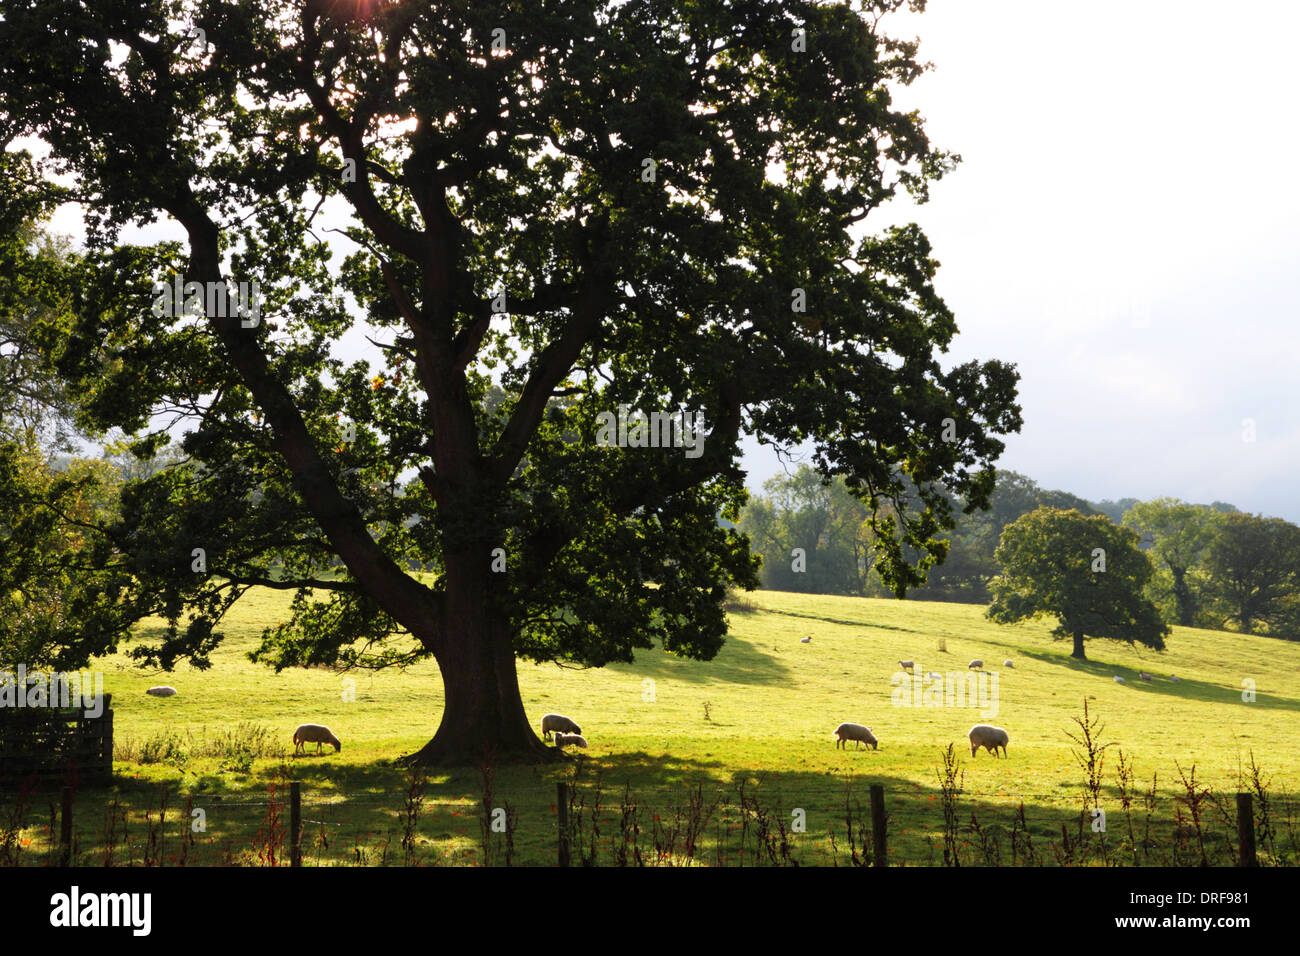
(981,735)
(567,733)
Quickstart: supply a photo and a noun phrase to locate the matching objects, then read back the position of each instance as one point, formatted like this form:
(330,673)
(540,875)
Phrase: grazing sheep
(558,722)
(162,691)
(1118,679)
(934,674)
(1143,675)
(806,640)
(906,665)
(1176,680)
(314,733)
(566,740)
(847,732)
(989,737)
(1007,663)
(975,664)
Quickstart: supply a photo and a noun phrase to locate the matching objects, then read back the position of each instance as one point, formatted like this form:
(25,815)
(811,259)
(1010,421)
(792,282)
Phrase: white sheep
(989,737)
(1176,680)
(1118,679)
(558,723)
(934,674)
(907,665)
(806,640)
(847,732)
(161,691)
(314,734)
(1143,675)
(975,664)
(1007,663)
(567,740)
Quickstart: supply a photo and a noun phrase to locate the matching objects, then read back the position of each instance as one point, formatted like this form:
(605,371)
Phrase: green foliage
(1087,572)
(1254,566)
(803,510)
(835,530)
(1179,536)
(34,267)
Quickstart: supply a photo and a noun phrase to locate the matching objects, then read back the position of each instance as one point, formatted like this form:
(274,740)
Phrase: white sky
(1124,227)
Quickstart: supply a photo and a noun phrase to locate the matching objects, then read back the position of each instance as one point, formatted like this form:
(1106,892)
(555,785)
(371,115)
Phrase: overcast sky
(1124,227)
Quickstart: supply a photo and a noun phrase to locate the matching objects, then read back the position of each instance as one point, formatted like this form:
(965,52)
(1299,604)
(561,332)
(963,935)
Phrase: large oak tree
(552,209)
(1086,571)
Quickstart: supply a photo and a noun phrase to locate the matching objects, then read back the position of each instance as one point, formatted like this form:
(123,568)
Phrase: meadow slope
(772,703)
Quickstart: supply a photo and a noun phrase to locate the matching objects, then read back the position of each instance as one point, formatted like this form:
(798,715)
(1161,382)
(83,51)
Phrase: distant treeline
(1214,565)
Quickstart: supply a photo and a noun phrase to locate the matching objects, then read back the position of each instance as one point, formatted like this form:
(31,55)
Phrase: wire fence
(589,822)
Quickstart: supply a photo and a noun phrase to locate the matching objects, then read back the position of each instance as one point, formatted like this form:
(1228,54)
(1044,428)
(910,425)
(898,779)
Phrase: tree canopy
(1087,572)
(1254,564)
(1180,536)
(538,213)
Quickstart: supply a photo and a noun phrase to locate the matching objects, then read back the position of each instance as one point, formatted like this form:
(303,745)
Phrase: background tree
(51,502)
(34,403)
(1179,536)
(803,510)
(971,563)
(1254,566)
(798,508)
(550,210)
(1049,566)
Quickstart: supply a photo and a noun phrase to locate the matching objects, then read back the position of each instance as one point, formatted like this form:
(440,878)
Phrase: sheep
(161,691)
(989,737)
(558,722)
(1176,680)
(565,740)
(847,732)
(934,674)
(975,665)
(1007,663)
(1118,679)
(806,640)
(906,665)
(314,733)
(1143,675)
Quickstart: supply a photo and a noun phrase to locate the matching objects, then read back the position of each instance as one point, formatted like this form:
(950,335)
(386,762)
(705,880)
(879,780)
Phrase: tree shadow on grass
(353,813)
(1185,688)
(839,620)
(738,662)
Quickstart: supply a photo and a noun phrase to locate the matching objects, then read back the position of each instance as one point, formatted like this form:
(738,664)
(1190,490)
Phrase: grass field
(771,702)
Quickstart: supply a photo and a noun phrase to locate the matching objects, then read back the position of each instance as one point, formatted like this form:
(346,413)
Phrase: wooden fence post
(295,824)
(65,828)
(1245,830)
(878,828)
(562,812)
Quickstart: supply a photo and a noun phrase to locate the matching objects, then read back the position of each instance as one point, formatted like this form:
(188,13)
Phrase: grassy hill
(772,703)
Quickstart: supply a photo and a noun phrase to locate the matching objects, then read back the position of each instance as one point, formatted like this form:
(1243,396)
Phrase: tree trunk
(483,718)
(1183,597)
(1078,647)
